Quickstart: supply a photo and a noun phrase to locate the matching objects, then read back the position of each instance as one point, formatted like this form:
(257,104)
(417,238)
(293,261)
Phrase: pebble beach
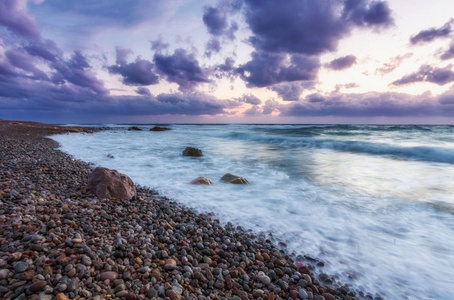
(57,241)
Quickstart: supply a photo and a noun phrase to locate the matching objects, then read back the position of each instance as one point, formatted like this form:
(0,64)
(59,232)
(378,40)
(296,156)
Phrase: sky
(228,61)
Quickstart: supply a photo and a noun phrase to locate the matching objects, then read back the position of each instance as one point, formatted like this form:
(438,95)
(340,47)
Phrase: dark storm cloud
(291,91)
(250,99)
(215,20)
(45,49)
(76,71)
(426,73)
(266,69)
(393,63)
(21,59)
(14,16)
(431,34)
(139,72)
(181,68)
(341,63)
(368,105)
(311,26)
(367,13)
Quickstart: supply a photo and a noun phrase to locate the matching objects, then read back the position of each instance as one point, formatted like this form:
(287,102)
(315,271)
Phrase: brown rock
(37,286)
(157,128)
(62,297)
(134,128)
(202,180)
(109,275)
(189,151)
(230,178)
(171,261)
(107,183)
(328,296)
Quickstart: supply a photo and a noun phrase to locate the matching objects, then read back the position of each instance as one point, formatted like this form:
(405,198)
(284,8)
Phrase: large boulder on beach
(157,128)
(107,183)
(202,180)
(230,178)
(134,128)
(189,151)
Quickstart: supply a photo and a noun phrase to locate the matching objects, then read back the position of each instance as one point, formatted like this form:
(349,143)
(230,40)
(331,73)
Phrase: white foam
(387,221)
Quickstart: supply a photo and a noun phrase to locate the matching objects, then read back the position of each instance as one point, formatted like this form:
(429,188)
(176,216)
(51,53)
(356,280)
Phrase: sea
(375,204)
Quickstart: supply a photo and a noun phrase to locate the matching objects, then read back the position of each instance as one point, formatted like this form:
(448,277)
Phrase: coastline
(57,241)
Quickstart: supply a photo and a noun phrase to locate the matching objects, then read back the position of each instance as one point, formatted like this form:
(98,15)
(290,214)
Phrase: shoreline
(56,241)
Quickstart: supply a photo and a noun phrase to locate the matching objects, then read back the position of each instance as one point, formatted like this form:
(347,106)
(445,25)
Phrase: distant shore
(58,242)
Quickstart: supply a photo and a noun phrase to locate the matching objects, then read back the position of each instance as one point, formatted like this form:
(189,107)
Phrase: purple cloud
(426,73)
(139,72)
(291,91)
(367,13)
(181,68)
(215,20)
(393,63)
(428,35)
(13,15)
(449,53)
(143,91)
(368,105)
(45,49)
(266,69)
(341,63)
(159,44)
(309,27)
(19,58)
(122,55)
(250,99)
(213,46)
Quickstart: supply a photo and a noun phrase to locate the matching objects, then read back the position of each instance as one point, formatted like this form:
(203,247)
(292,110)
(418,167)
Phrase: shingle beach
(59,242)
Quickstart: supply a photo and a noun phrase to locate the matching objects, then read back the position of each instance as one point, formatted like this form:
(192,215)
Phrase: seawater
(374,203)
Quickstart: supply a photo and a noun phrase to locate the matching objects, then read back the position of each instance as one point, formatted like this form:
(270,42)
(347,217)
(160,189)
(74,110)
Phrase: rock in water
(157,128)
(230,178)
(107,183)
(134,128)
(202,180)
(189,151)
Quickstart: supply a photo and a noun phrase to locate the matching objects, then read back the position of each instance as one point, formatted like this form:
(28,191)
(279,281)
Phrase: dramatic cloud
(431,34)
(250,99)
(266,69)
(393,63)
(309,27)
(426,73)
(341,63)
(14,15)
(139,72)
(45,49)
(181,68)
(368,105)
(291,91)
(367,13)
(19,58)
(216,18)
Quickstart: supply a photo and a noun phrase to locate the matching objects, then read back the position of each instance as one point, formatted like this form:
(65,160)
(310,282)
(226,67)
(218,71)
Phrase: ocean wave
(423,153)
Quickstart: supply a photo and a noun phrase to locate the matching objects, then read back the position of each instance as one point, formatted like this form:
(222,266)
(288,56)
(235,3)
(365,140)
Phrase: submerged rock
(134,128)
(157,128)
(190,151)
(107,183)
(202,180)
(230,178)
